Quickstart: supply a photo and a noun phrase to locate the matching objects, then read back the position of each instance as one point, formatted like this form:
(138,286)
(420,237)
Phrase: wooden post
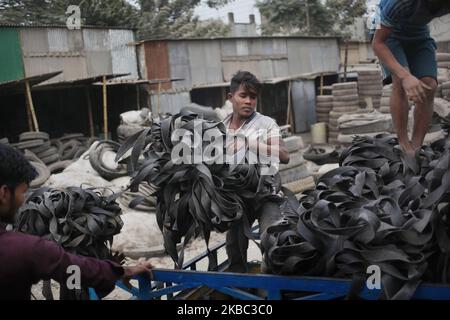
(30,121)
(289,111)
(138,97)
(321,84)
(31,106)
(90,117)
(105,110)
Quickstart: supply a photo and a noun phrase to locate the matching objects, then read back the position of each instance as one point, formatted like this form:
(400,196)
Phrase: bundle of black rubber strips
(82,221)
(193,198)
(380,208)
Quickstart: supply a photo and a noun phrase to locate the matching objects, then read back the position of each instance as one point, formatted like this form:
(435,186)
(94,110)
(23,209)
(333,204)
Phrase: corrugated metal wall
(97,46)
(11,64)
(123,53)
(170,101)
(304,104)
(206,62)
(78,53)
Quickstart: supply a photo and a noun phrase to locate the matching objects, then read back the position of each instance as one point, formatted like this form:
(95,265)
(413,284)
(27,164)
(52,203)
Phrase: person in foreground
(261,133)
(407,52)
(25,260)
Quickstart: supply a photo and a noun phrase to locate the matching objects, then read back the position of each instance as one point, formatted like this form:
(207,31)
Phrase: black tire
(29,144)
(31,157)
(51,159)
(43,174)
(95,156)
(69,149)
(79,153)
(71,136)
(59,166)
(27,136)
(47,153)
(4,141)
(90,141)
(41,149)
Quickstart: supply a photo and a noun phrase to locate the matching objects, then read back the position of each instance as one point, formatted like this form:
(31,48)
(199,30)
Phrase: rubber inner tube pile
(379,208)
(192,199)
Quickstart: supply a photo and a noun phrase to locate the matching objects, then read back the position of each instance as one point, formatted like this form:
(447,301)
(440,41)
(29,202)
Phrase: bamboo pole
(105,109)
(289,112)
(90,116)
(31,106)
(30,121)
(321,84)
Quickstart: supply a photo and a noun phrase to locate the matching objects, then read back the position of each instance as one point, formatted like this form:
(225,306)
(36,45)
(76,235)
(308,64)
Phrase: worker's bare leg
(423,114)
(400,111)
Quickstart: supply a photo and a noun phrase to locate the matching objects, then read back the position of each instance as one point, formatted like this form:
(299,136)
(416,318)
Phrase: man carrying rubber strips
(260,133)
(407,52)
(26,260)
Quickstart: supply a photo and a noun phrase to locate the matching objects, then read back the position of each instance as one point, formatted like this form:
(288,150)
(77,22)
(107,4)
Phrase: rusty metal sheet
(157,62)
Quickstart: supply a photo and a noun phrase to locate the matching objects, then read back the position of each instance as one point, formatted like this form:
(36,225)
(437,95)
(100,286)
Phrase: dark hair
(14,168)
(246,79)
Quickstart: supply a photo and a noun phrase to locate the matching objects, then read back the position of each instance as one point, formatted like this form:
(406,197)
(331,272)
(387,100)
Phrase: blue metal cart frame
(168,284)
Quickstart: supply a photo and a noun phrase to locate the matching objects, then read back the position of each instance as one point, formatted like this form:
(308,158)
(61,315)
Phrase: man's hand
(415,89)
(141,268)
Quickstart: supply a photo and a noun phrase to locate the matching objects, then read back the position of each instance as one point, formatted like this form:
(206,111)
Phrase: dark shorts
(418,56)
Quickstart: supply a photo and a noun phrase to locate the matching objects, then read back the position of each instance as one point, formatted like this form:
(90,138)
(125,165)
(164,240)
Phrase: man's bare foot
(408,150)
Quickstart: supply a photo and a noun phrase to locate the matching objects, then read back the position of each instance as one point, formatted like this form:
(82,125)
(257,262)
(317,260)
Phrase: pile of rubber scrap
(345,101)
(370,86)
(370,123)
(82,221)
(195,198)
(132,122)
(379,208)
(443,60)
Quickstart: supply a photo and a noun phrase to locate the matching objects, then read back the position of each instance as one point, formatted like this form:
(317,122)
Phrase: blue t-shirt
(409,19)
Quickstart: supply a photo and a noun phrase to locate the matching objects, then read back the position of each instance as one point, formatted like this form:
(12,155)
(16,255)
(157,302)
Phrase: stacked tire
(39,143)
(4,141)
(443,77)
(345,101)
(296,169)
(370,84)
(443,60)
(385,103)
(446,90)
(324,104)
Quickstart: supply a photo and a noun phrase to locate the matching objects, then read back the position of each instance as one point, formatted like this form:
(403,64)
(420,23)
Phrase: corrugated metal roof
(79,82)
(239,38)
(10,25)
(17,86)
